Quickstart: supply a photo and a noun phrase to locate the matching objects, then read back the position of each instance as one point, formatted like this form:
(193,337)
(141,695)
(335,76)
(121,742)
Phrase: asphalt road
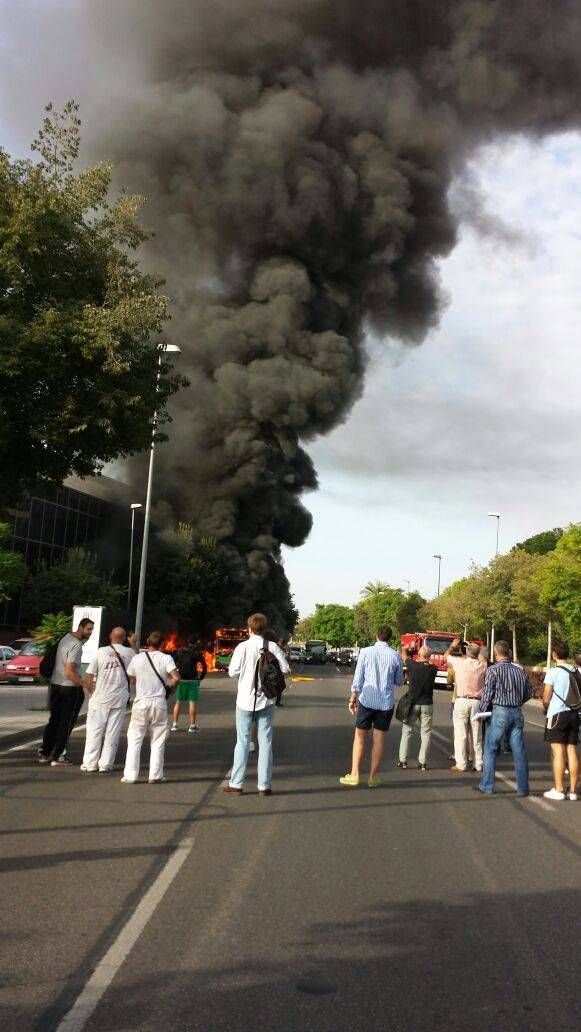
(415,907)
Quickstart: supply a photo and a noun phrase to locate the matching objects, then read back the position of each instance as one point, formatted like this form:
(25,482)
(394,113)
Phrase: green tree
(541,544)
(12,567)
(373,588)
(52,628)
(304,629)
(562,582)
(187,578)
(77,580)
(334,624)
(378,610)
(408,613)
(80,323)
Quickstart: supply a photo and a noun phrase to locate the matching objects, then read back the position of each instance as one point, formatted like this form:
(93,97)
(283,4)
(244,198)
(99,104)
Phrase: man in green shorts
(192,667)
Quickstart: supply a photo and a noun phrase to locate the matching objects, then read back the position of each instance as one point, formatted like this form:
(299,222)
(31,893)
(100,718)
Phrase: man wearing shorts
(379,670)
(192,668)
(562,727)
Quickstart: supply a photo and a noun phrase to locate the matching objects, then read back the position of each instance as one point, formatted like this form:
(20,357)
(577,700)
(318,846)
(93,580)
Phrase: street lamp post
(146,520)
(439,558)
(134,506)
(496,516)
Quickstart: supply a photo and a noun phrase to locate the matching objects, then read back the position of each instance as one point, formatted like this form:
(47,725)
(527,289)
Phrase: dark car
(23,668)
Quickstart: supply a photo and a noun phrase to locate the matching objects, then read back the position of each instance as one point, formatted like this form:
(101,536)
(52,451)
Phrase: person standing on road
(506,689)
(378,672)
(192,669)
(154,672)
(107,683)
(562,726)
(469,673)
(253,706)
(422,678)
(66,695)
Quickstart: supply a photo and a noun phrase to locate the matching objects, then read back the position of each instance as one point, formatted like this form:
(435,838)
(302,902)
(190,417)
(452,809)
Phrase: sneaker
(402,764)
(265,791)
(374,783)
(230,790)
(553,793)
(60,762)
(174,727)
(422,766)
(458,770)
(43,759)
(351,780)
(128,781)
(156,781)
(194,729)
(573,797)
(88,770)
(106,770)
(252,747)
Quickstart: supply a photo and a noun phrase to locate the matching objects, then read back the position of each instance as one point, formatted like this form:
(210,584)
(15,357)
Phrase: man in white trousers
(154,673)
(107,683)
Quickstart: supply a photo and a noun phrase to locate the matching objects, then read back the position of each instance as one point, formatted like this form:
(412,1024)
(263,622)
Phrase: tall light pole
(439,558)
(496,516)
(408,584)
(134,506)
(145,545)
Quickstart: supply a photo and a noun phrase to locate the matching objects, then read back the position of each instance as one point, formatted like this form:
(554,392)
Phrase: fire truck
(437,642)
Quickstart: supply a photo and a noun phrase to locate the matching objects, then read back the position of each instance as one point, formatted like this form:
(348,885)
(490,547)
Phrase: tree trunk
(465,631)
(514,648)
(492,643)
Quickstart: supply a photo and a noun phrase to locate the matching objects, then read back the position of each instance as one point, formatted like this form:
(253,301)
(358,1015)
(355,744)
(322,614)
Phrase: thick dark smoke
(297,157)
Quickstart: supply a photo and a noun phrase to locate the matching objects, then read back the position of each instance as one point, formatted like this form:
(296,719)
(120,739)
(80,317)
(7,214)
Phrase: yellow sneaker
(374,782)
(351,780)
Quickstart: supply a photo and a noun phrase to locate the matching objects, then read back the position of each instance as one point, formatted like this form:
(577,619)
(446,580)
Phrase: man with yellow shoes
(378,672)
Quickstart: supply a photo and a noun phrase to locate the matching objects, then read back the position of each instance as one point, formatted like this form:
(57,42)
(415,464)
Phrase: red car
(24,667)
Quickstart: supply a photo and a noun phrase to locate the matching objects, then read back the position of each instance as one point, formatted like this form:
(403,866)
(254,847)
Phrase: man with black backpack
(62,666)
(107,683)
(193,668)
(260,666)
(562,704)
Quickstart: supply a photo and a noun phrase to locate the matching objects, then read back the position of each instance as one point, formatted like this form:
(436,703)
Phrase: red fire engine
(437,642)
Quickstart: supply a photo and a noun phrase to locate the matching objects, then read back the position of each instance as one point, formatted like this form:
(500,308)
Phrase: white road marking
(544,805)
(89,998)
(35,741)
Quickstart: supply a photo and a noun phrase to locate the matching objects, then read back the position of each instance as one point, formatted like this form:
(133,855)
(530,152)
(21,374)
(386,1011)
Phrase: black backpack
(187,659)
(48,661)
(573,695)
(268,677)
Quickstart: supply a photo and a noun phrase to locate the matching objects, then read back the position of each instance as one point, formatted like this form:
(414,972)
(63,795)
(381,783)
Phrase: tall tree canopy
(79,321)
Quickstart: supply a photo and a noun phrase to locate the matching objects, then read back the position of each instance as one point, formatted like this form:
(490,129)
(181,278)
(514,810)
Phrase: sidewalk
(23,712)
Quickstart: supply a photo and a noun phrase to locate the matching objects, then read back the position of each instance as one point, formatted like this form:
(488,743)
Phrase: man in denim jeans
(506,688)
(252,706)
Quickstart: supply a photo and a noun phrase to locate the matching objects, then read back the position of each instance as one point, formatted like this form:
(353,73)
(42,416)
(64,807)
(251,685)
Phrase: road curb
(7,742)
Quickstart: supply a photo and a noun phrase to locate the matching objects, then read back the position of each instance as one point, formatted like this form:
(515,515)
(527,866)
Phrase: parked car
(19,644)
(6,653)
(23,668)
(295,654)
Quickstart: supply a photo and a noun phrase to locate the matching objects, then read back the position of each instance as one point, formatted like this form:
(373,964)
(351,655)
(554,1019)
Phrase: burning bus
(225,641)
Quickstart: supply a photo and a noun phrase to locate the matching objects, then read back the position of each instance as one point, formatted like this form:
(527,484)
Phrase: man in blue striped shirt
(379,670)
(506,689)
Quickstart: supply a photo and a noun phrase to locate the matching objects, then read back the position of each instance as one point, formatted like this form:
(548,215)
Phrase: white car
(6,653)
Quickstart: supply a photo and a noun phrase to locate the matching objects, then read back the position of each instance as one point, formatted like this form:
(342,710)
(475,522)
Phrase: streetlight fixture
(145,545)
(134,506)
(496,516)
(439,558)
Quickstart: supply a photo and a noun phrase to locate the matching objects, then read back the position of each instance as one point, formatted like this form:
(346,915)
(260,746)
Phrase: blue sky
(483,416)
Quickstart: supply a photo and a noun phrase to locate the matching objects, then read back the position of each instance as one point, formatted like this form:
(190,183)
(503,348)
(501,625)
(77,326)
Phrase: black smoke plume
(297,158)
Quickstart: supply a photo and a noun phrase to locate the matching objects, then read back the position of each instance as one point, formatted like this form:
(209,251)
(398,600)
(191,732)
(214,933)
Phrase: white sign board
(94,613)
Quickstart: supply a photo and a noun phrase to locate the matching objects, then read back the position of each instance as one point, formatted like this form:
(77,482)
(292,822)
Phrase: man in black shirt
(422,677)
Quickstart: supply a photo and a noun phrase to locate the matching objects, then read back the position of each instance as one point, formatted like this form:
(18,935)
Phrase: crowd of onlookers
(487,706)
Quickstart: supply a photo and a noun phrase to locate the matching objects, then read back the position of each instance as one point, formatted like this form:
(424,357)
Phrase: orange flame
(210,661)
(172,643)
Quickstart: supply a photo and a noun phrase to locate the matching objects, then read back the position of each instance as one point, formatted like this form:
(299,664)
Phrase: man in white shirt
(253,705)
(153,672)
(107,683)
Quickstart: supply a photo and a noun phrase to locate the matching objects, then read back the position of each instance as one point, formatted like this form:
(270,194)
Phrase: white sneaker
(194,729)
(252,747)
(554,794)
(88,770)
(174,727)
(128,781)
(573,797)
